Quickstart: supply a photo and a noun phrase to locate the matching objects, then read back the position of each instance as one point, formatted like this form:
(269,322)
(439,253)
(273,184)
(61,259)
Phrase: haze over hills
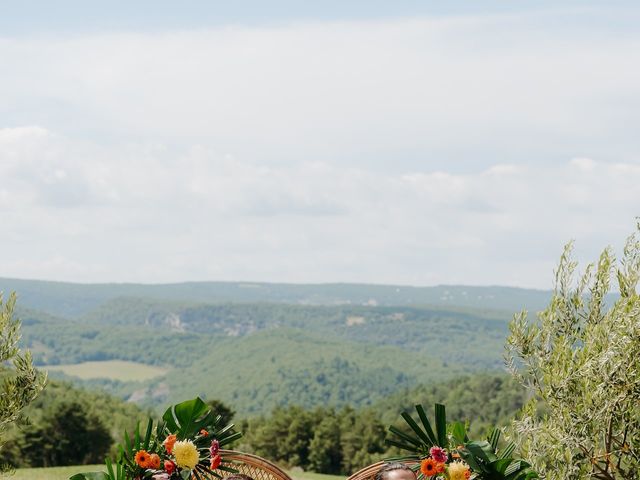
(258,345)
(73,299)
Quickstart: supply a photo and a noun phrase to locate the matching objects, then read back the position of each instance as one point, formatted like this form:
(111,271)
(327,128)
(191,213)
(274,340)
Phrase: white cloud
(147,213)
(432,150)
(468,91)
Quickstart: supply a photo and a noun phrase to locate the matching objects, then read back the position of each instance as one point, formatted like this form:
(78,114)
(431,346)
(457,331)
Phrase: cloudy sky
(356,141)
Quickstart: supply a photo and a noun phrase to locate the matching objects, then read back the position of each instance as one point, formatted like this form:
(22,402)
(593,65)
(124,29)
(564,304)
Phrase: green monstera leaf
(187,418)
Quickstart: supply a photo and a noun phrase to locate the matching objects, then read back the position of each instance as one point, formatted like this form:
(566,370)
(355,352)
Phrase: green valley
(259,346)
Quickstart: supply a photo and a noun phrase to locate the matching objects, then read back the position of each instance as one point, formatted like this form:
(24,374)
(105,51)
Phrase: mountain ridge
(74,299)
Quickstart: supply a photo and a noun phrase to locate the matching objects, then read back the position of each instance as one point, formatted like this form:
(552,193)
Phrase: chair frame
(254,461)
(369,472)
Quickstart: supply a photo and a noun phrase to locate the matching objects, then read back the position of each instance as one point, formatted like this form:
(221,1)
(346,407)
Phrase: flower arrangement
(448,454)
(184,445)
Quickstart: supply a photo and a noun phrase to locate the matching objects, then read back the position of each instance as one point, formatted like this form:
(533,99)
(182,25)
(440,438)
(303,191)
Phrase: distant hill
(257,346)
(74,299)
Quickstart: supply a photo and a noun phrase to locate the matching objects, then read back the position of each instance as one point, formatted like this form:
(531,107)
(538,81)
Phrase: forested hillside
(258,356)
(258,346)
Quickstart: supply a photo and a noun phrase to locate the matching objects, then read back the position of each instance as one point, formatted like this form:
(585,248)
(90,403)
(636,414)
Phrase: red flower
(204,433)
(169,466)
(216,460)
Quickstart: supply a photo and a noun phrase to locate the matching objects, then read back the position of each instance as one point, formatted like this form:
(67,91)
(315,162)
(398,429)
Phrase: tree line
(342,440)
(333,440)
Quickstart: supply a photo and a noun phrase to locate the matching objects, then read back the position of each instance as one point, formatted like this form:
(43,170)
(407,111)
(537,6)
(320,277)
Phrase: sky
(405,142)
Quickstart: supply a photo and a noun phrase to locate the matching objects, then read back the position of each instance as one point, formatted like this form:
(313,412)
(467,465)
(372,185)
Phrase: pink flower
(161,476)
(215,448)
(438,454)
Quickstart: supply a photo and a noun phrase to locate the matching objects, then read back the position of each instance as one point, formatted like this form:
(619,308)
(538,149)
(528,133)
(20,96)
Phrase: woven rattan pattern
(256,467)
(368,473)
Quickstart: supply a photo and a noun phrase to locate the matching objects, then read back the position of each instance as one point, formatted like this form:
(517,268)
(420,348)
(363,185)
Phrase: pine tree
(67,435)
(325,452)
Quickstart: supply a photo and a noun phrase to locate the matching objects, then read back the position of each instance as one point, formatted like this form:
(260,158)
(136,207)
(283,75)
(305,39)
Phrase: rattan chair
(368,473)
(256,467)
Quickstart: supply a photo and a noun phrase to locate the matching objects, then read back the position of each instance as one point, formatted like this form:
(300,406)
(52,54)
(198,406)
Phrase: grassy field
(55,473)
(313,476)
(112,369)
(63,473)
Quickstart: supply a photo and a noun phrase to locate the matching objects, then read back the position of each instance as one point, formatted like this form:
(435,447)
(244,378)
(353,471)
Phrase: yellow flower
(458,471)
(186,454)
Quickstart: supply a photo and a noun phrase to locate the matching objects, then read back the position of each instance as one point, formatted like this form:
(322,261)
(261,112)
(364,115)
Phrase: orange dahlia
(430,467)
(169,442)
(154,461)
(142,458)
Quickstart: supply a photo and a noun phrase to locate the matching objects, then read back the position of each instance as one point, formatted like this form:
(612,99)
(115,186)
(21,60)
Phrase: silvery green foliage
(21,383)
(581,361)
